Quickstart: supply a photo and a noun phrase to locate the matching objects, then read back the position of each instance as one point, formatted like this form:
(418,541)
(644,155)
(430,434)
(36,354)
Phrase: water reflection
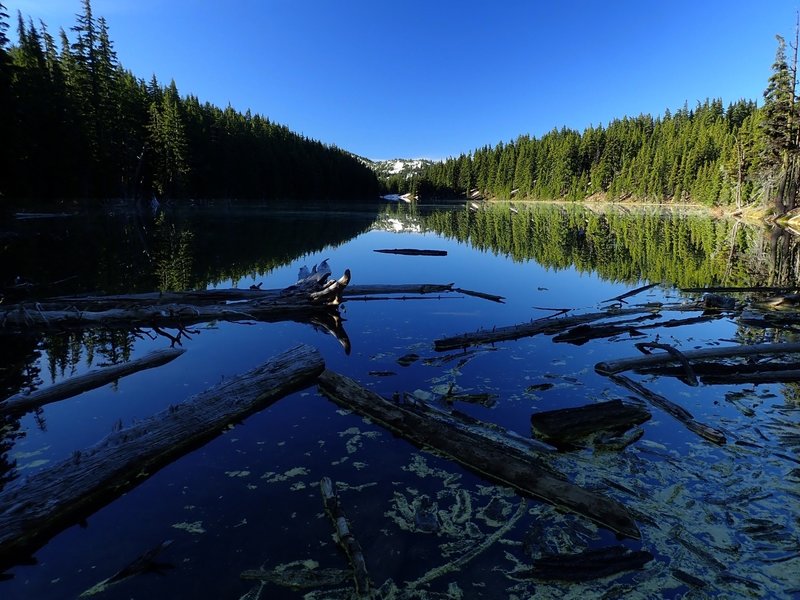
(253,491)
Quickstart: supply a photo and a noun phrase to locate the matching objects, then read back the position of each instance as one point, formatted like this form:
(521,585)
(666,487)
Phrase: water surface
(250,498)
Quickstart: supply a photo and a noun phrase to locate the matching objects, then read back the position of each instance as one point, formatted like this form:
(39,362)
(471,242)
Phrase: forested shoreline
(77,124)
(712,155)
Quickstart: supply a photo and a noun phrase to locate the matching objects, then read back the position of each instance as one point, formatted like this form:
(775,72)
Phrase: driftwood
(621,297)
(412,252)
(625,364)
(545,325)
(146,563)
(345,537)
(41,505)
(688,372)
(588,565)
(566,425)
(21,403)
(485,296)
(482,454)
(583,333)
(306,296)
(680,413)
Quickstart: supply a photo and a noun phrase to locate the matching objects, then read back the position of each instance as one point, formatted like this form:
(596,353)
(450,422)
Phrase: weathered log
(633,292)
(480,454)
(689,374)
(583,333)
(588,565)
(771,376)
(566,425)
(546,325)
(625,364)
(680,413)
(146,563)
(21,403)
(412,252)
(39,506)
(301,298)
(485,296)
(345,537)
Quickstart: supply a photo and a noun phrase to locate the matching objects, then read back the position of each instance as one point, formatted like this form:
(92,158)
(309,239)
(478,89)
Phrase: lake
(718,520)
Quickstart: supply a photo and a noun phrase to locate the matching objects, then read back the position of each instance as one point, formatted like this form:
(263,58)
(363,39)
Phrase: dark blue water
(250,498)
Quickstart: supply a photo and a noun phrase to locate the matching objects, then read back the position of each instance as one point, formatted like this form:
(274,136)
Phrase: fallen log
(412,252)
(347,541)
(583,333)
(668,406)
(633,292)
(650,360)
(37,507)
(302,298)
(545,325)
(565,425)
(22,403)
(588,565)
(481,454)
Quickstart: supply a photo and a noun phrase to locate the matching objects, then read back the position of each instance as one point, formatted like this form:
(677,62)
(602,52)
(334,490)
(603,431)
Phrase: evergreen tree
(780,126)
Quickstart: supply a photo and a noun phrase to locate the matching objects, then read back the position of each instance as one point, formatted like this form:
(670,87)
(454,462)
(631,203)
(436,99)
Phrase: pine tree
(780,126)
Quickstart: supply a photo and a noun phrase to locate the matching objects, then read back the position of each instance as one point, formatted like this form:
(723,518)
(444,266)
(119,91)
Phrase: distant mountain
(398,166)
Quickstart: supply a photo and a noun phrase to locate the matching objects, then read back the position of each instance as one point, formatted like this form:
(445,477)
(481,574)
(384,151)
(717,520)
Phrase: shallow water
(250,498)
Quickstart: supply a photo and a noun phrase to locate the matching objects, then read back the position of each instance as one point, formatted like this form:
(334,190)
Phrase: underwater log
(37,507)
(481,454)
(565,425)
(588,565)
(680,413)
(21,403)
(347,540)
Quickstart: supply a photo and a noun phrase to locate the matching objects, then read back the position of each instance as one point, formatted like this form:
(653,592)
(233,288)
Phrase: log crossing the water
(482,454)
(21,403)
(37,507)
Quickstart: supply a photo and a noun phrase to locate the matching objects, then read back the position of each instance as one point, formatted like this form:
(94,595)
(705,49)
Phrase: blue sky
(428,78)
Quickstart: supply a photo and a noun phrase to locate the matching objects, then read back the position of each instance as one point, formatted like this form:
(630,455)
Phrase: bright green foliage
(691,155)
(97,130)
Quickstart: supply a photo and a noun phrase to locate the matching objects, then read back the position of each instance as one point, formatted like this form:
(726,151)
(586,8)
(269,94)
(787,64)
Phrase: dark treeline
(75,123)
(711,154)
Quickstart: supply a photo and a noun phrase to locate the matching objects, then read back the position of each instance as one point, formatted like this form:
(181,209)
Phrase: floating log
(583,333)
(514,332)
(482,454)
(412,252)
(680,413)
(566,425)
(638,290)
(345,537)
(588,565)
(305,297)
(650,360)
(35,508)
(21,403)
(485,296)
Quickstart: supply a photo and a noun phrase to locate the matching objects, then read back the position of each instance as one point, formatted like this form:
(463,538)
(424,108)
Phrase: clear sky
(435,78)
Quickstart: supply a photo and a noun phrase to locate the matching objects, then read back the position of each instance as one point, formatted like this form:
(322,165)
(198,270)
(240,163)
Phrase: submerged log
(481,454)
(650,360)
(345,537)
(39,506)
(680,413)
(588,565)
(21,403)
(633,292)
(566,425)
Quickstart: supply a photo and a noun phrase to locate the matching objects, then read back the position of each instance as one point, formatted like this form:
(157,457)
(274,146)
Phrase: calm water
(250,498)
